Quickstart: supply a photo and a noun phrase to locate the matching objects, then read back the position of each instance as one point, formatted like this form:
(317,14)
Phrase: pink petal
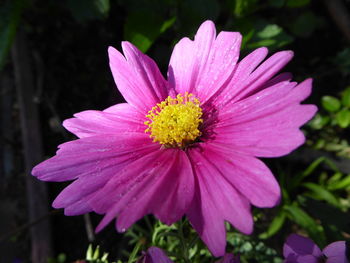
(242,72)
(267,101)
(120,118)
(78,208)
(138,189)
(220,65)
(212,206)
(270,136)
(267,123)
(167,198)
(203,66)
(90,155)
(79,191)
(247,174)
(208,223)
(177,192)
(263,73)
(137,77)
(189,59)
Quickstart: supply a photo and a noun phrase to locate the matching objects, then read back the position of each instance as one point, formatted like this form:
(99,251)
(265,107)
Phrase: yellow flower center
(175,121)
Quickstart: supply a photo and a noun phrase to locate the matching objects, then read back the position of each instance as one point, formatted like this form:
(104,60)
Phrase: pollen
(175,122)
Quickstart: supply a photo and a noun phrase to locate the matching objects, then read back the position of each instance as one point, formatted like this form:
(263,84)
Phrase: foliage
(332,123)
(94,255)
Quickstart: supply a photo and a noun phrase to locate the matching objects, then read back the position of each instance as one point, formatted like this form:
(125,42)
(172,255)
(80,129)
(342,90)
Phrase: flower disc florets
(175,122)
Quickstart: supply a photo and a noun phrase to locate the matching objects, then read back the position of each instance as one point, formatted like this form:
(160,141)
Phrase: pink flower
(187,145)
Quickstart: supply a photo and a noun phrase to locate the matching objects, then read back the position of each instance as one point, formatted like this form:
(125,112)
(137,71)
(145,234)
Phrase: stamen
(175,121)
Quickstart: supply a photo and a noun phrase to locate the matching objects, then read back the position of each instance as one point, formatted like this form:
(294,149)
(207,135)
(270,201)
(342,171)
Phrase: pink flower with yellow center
(187,145)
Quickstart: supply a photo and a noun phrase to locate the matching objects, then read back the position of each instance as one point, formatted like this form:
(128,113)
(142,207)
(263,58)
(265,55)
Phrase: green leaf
(89,253)
(319,121)
(269,31)
(103,7)
(320,193)
(133,254)
(345,99)
(300,217)
(330,103)
(297,3)
(167,24)
(312,167)
(320,143)
(275,225)
(342,184)
(335,178)
(142,29)
(244,7)
(10,12)
(104,257)
(343,118)
(61,258)
(96,253)
(268,35)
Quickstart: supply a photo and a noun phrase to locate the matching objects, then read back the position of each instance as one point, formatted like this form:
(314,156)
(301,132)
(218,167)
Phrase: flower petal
(167,198)
(267,123)
(154,255)
(337,252)
(212,207)
(308,259)
(246,82)
(208,223)
(78,208)
(91,155)
(78,192)
(203,66)
(137,77)
(242,72)
(189,59)
(131,197)
(262,74)
(120,118)
(220,65)
(300,246)
(245,173)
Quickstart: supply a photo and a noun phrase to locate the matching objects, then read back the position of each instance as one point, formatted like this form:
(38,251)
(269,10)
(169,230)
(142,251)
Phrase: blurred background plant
(66,43)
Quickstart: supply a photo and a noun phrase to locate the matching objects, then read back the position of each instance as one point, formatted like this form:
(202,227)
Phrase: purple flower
(299,249)
(154,255)
(187,145)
